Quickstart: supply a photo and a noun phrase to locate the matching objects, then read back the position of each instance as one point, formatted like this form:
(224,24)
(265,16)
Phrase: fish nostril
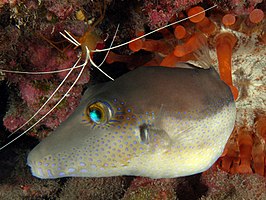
(144,133)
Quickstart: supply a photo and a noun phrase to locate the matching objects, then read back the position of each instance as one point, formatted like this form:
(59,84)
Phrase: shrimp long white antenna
(50,97)
(70,38)
(70,88)
(98,66)
(140,37)
(39,72)
(110,46)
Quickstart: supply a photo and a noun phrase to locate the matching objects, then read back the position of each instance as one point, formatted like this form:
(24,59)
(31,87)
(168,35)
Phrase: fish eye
(99,112)
(144,133)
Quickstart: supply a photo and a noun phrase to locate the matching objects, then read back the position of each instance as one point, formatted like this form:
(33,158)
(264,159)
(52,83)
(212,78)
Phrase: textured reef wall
(235,33)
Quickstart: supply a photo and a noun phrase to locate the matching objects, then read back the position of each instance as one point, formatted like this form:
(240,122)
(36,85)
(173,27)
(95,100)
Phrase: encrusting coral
(239,186)
(160,12)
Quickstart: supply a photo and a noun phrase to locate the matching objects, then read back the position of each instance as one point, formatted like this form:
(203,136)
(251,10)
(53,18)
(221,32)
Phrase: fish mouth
(43,171)
(38,171)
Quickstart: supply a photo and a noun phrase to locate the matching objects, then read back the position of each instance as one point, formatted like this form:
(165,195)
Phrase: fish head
(145,123)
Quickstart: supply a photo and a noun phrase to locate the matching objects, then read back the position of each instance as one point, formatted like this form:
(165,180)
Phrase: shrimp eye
(99,112)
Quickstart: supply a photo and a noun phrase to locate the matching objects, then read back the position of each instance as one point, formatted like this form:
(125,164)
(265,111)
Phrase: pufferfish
(154,122)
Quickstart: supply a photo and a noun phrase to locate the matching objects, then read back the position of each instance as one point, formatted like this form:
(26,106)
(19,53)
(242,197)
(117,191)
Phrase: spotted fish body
(162,123)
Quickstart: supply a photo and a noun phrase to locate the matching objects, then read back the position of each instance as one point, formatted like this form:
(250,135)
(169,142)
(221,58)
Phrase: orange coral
(171,60)
(180,32)
(206,26)
(259,154)
(245,151)
(260,126)
(224,48)
(235,165)
(229,19)
(150,45)
(258,157)
(245,143)
(256,16)
(136,45)
(229,155)
(195,10)
(194,43)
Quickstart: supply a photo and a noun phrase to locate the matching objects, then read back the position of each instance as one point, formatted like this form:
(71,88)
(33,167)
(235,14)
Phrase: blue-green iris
(95,115)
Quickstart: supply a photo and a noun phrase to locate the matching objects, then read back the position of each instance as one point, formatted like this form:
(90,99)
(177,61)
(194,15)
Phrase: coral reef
(30,41)
(245,151)
(94,188)
(238,7)
(161,12)
(239,186)
(145,188)
(38,47)
(18,183)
